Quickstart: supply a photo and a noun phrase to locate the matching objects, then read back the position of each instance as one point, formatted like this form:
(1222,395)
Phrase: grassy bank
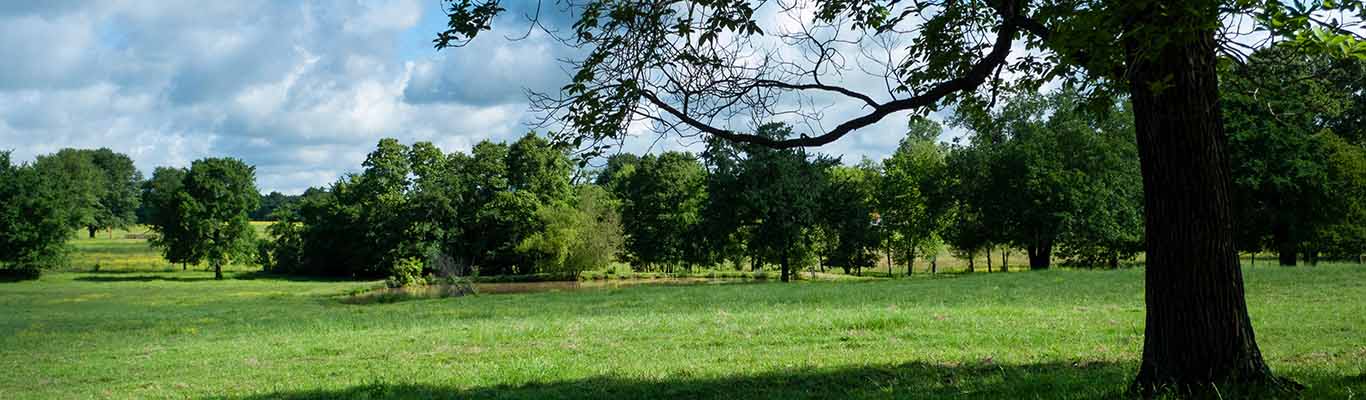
(1056,334)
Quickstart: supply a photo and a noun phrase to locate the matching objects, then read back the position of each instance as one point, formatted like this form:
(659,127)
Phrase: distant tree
(380,194)
(973,223)
(577,237)
(660,208)
(617,171)
(509,218)
(218,193)
(1055,173)
(781,197)
(323,234)
(534,176)
(724,229)
(165,216)
(106,183)
(119,198)
(913,209)
(34,224)
(1106,225)
(765,203)
(483,175)
(434,200)
(1344,237)
(846,209)
(80,180)
(1281,107)
(270,203)
(535,166)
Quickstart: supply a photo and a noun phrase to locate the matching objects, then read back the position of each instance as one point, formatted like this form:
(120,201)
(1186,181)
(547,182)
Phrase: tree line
(1052,175)
(195,214)
(1055,176)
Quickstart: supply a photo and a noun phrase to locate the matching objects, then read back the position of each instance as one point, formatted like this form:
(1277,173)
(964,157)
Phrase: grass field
(141,332)
(126,250)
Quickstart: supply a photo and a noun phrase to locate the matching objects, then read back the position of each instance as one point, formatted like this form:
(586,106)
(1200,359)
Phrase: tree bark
(1040,254)
(988,258)
(91,229)
(1198,336)
(784,265)
(910,263)
(889,261)
(1005,260)
(971,258)
(1286,250)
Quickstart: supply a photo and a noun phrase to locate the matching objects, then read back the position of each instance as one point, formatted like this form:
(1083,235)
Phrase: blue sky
(303,90)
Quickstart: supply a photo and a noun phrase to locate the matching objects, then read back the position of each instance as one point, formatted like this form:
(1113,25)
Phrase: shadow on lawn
(913,380)
(172,276)
(129,277)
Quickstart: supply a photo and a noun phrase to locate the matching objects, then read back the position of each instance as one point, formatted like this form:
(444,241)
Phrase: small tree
(577,237)
(218,194)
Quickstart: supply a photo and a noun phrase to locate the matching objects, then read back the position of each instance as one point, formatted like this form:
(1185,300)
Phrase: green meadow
(141,328)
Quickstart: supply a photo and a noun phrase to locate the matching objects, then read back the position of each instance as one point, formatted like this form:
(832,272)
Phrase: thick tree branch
(816,86)
(975,77)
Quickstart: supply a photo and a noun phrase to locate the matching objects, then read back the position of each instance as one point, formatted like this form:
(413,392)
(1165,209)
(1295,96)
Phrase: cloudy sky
(303,90)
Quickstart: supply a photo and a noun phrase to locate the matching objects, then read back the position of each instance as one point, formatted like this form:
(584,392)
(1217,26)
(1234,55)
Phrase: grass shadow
(142,278)
(10,275)
(982,380)
(262,275)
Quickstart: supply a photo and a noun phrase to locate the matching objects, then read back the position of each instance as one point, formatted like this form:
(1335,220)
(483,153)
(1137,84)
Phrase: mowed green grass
(126,250)
(1055,334)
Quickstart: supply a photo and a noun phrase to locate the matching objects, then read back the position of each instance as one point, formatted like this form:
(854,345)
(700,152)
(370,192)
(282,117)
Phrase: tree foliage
(161,197)
(35,218)
(1294,176)
(214,202)
(1046,172)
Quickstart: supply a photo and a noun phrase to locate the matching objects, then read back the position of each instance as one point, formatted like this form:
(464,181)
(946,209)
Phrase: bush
(406,272)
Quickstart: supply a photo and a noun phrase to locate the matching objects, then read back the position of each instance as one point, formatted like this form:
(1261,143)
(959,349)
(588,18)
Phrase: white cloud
(302,90)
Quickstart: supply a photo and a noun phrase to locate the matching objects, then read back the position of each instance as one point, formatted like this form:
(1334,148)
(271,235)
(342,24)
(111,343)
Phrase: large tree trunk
(784,265)
(92,229)
(910,263)
(988,258)
(1040,254)
(1198,335)
(889,261)
(1286,250)
(972,257)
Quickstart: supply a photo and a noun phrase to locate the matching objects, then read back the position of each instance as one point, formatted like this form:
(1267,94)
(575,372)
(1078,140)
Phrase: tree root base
(1261,387)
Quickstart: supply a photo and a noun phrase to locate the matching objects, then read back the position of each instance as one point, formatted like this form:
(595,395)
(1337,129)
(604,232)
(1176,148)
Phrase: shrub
(406,272)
